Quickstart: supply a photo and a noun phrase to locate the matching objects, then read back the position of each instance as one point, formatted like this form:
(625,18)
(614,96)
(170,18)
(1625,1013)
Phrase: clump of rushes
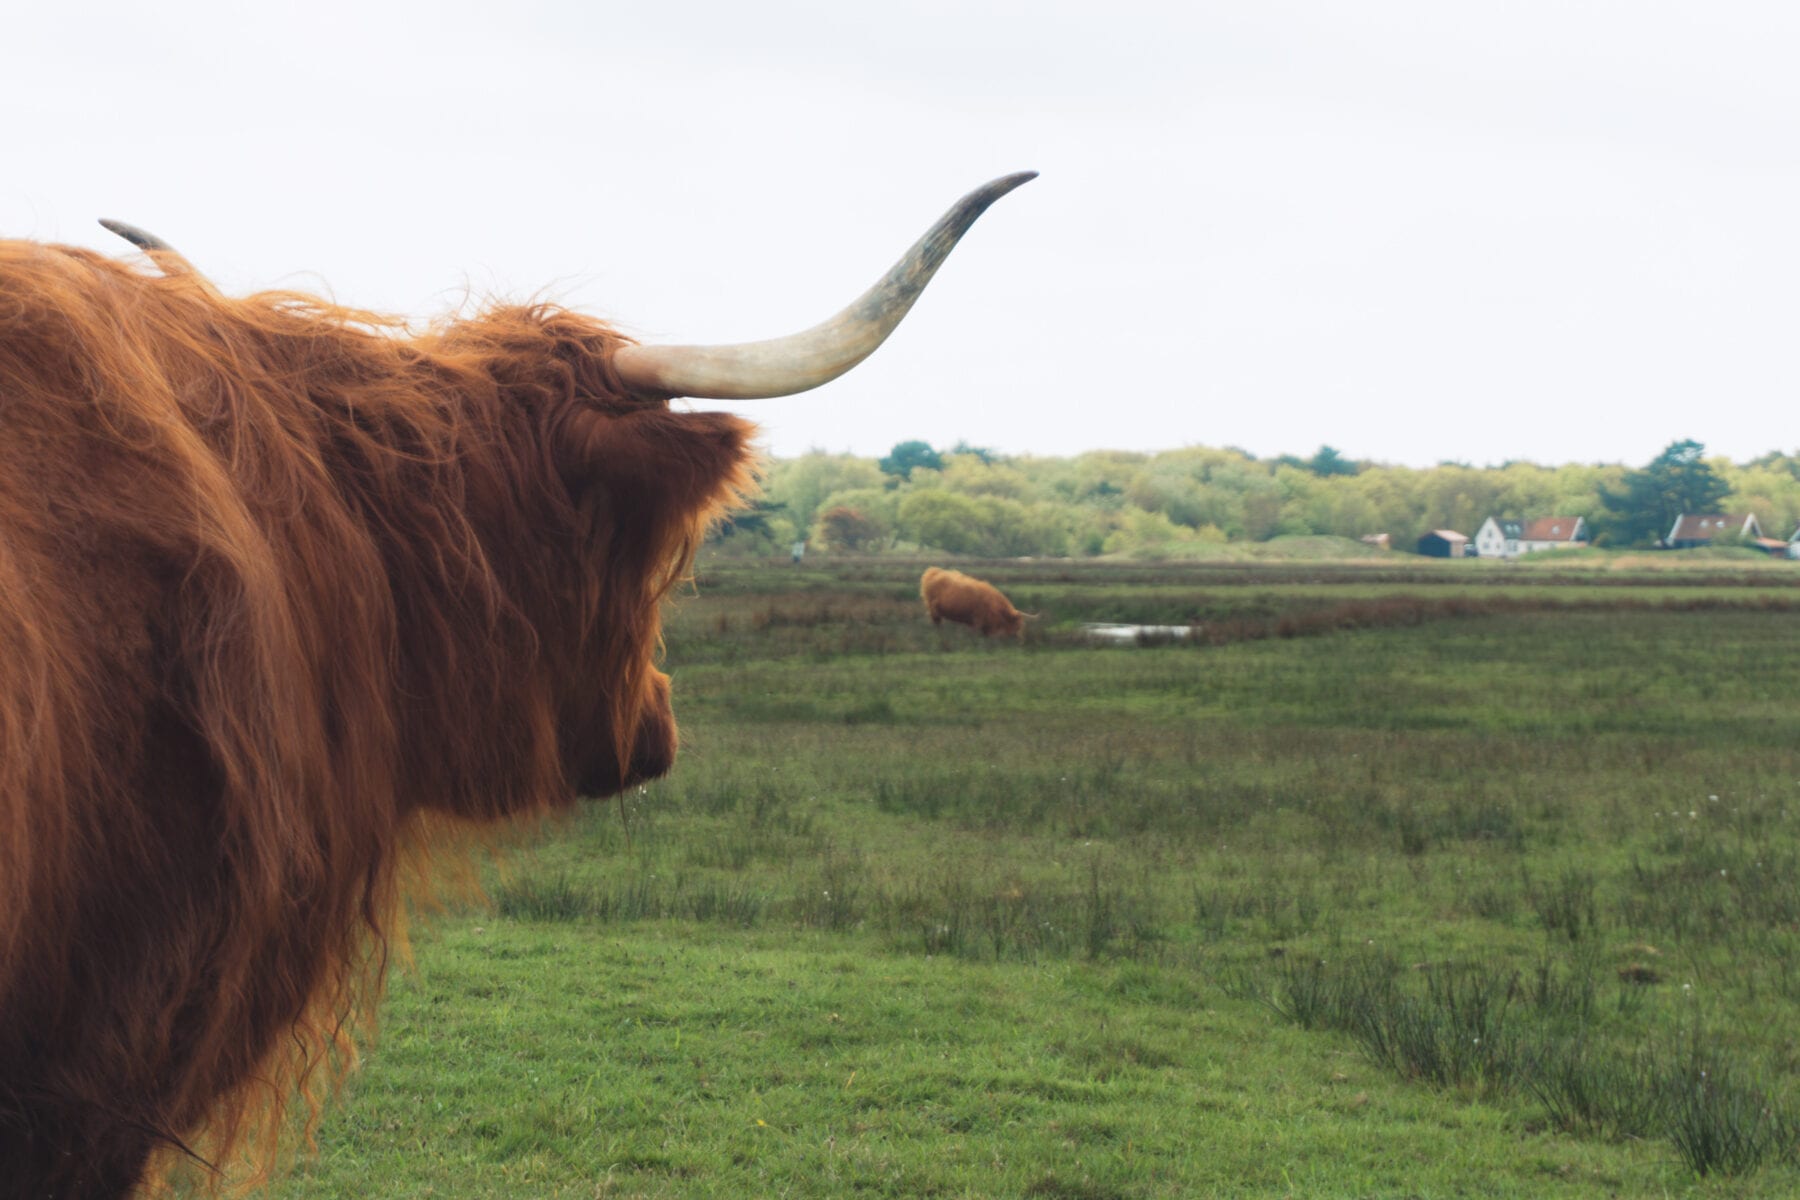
(1480,1026)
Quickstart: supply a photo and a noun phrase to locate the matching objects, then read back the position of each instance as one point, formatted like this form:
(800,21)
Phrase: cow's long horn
(171,260)
(783,366)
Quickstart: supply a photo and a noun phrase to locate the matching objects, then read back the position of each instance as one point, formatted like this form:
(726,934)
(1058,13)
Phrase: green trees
(752,522)
(907,457)
(1184,502)
(1329,462)
(941,519)
(993,526)
(1769,487)
(844,528)
(805,483)
(1679,480)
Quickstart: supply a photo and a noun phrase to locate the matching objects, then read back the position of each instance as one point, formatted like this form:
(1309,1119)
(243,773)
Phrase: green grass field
(1391,881)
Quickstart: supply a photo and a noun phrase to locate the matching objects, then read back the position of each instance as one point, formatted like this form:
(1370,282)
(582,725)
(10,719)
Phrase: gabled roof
(1552,529)
(1703,527)
(1449,535)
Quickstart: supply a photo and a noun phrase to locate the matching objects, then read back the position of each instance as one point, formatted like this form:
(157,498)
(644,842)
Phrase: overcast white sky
(1413,229)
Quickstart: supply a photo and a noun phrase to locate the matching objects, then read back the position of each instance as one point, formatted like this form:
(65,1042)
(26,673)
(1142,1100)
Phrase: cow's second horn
(784,366)
(171,260)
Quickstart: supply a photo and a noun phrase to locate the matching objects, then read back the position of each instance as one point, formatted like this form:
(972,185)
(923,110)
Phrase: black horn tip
(142,239)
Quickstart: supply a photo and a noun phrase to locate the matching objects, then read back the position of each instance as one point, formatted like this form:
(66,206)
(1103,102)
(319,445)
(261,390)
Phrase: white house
(1794,543)
(1509,539)
(1498,539)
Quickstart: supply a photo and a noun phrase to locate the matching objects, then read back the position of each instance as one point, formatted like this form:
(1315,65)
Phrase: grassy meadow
(1429,880)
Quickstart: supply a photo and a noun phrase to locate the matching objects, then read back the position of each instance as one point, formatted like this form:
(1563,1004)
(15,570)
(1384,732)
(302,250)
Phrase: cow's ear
(656,465)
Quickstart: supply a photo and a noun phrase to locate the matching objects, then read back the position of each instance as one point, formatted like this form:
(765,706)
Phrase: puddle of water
(1122,635)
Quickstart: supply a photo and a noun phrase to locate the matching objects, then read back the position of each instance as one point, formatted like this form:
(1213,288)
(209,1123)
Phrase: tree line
(974,500)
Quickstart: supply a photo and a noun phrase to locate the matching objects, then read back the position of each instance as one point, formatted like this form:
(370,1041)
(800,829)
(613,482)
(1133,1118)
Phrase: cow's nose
(653,753)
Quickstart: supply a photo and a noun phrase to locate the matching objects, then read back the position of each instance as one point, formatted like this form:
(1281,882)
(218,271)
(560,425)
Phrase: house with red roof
(1692,530)
(1508,539)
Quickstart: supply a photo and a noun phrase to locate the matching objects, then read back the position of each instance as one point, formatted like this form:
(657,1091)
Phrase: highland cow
(953,596)
(290,596)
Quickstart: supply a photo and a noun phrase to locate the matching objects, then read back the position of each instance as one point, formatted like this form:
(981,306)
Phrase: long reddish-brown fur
(966,600)
(283,585)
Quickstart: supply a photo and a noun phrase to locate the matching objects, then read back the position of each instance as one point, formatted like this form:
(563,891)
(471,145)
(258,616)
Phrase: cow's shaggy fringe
(288,594)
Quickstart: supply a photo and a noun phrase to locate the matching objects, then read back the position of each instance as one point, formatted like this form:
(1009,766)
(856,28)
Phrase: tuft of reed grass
(1566,905)
(1721,1126)
(1481,1026)
(1588,1090)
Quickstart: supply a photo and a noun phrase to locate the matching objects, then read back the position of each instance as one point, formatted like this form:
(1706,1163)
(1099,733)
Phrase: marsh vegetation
(1418,881)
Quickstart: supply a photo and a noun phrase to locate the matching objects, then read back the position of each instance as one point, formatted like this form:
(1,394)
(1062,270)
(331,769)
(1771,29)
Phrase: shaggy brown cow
(953,596)
(289,595)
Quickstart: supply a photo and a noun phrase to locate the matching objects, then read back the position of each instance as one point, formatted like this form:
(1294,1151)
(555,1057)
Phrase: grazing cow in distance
(291,595)
(953,596)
